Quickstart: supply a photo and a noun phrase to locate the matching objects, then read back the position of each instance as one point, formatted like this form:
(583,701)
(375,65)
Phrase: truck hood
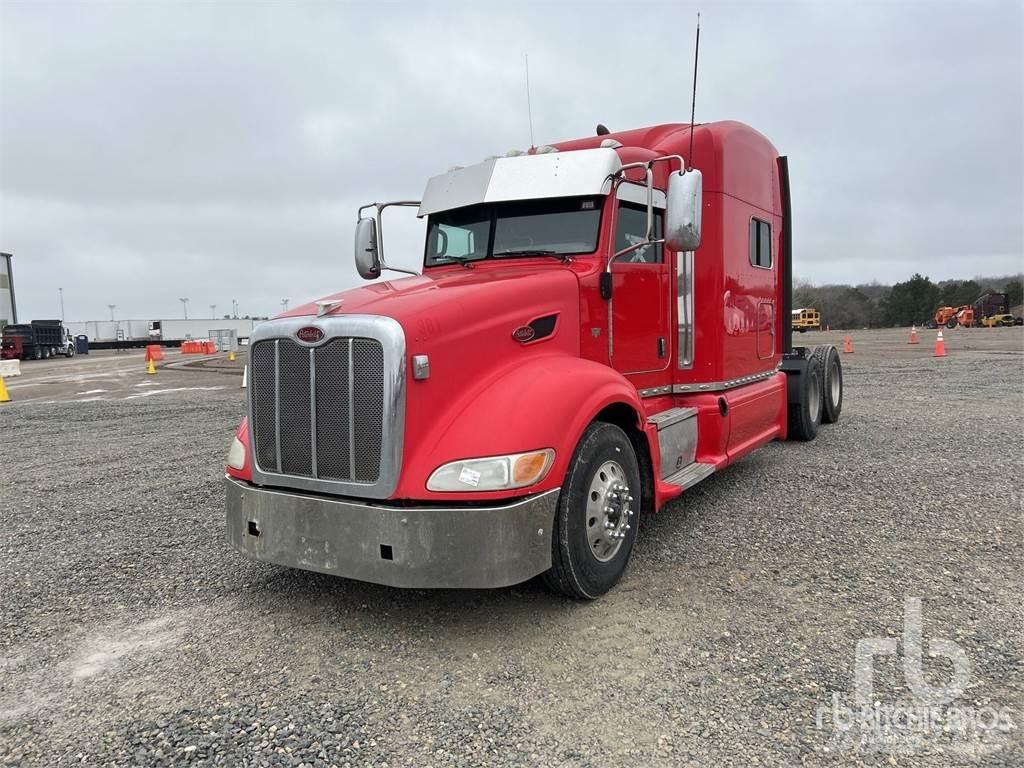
(460,301)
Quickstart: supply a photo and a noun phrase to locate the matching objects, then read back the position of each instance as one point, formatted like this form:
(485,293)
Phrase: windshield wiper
(467,263)
(532,252)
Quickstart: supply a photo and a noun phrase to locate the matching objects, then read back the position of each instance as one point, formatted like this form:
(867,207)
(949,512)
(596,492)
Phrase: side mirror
(366,254)
(683,211)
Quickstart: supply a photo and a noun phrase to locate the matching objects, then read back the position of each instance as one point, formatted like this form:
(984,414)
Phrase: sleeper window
(760,243)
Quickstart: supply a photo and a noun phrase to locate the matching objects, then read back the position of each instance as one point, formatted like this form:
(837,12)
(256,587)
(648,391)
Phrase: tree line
(874,305)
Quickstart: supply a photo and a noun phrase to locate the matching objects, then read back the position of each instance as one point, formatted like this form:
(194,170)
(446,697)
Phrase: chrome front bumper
(424,547)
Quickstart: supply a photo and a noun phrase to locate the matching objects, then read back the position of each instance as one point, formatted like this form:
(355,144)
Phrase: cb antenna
(529,106)
(693,103)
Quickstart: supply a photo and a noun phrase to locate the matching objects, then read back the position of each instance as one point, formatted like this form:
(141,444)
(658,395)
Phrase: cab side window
(631,228)
(760,244)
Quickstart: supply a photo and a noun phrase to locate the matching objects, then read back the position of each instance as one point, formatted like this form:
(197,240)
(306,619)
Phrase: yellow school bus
(806,319)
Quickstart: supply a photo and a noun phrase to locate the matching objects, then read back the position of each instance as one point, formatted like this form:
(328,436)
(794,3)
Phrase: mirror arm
(650,203)
(636,247)
(619,178)
(379,207)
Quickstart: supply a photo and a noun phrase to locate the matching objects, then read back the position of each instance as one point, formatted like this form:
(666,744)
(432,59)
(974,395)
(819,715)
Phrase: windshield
(558,227)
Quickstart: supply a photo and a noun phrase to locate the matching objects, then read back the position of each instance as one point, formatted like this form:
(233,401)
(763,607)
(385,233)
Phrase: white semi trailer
(116,334)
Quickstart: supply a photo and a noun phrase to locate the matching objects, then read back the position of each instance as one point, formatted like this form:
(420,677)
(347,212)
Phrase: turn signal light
(530,467)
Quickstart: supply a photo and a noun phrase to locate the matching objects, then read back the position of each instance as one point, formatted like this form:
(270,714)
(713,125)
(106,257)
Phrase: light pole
(61,292)
(284,303)
(213,311)
(184,307)
(111,307)
(234,308)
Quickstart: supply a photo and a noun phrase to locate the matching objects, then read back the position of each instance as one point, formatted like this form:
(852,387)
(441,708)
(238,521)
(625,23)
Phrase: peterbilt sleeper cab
(598,325)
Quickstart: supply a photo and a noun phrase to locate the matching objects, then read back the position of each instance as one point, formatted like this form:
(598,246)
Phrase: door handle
(661,346)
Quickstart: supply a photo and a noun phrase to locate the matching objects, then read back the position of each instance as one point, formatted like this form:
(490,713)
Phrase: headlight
(236,456)
(495,473)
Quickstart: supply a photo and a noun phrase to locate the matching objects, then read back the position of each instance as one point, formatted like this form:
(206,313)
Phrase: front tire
(597,517)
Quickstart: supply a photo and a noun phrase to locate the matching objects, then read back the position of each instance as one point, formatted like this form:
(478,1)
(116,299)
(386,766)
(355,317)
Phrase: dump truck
(597,326)
(38,340)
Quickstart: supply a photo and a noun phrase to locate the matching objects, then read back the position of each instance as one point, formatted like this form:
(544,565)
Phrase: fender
(545,401)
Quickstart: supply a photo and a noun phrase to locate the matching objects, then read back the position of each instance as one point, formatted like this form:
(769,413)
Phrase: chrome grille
(293,404)
(333,417)
(263,386)
(319,412)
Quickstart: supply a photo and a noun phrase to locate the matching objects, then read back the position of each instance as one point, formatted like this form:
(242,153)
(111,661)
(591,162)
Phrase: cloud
(219,151)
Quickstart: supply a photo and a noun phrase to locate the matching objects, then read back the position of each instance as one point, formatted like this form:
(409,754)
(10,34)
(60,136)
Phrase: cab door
(639,303)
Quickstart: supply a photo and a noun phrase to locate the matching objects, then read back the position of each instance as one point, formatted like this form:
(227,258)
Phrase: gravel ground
(132,635)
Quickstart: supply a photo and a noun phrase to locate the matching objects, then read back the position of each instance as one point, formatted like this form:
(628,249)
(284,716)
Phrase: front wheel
(597,516)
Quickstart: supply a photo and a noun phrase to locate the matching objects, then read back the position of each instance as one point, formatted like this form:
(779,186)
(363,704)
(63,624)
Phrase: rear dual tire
(831,383)
(804,416)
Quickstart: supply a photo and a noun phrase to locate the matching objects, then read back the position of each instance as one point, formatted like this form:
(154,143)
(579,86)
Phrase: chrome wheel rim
(609,511)
(814,400)
(833,380)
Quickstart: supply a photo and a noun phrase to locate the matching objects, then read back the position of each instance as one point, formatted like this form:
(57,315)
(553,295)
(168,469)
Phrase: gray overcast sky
(155,150)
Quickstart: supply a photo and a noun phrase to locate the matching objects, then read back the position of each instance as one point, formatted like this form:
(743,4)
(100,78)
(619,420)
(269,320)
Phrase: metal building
(8,307)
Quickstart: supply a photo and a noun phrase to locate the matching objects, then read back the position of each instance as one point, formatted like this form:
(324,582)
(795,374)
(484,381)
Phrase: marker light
(494,473)
(236,456)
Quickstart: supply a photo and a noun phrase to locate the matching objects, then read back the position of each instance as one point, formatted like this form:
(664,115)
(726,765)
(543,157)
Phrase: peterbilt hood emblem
(309,334)
(523,334)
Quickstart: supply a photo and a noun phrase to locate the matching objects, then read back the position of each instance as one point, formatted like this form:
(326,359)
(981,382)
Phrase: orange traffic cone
(150,368)
(940,346)
(4,396)
(913,335)
(847,344)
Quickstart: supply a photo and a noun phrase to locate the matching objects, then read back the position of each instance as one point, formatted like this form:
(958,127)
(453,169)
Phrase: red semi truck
(598,326)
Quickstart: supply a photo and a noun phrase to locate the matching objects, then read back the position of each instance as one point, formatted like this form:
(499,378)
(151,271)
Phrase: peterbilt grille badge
(310,334)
